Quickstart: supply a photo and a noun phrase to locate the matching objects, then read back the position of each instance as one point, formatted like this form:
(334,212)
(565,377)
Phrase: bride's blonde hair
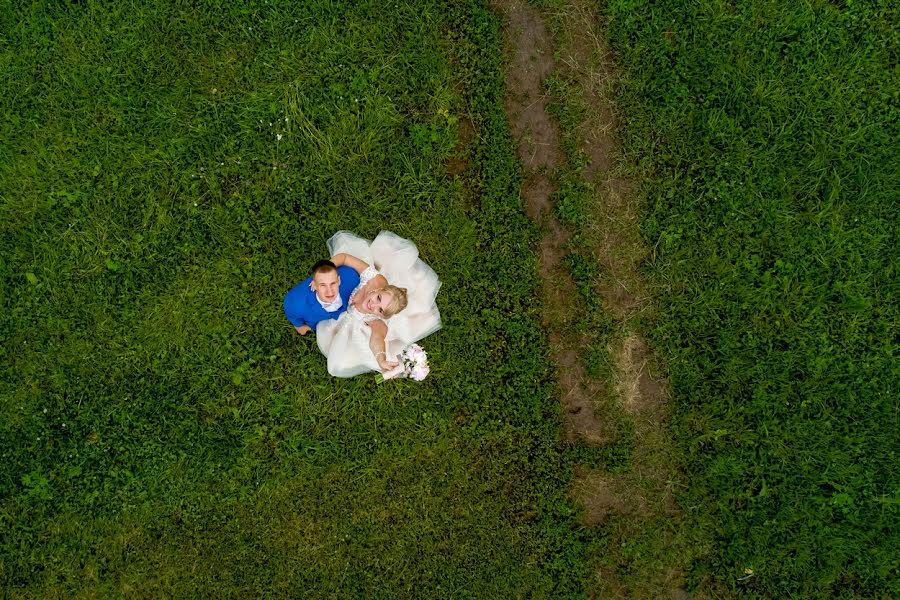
(398,300)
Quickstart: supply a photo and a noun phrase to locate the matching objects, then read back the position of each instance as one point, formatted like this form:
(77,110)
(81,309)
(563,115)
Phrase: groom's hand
(302,330)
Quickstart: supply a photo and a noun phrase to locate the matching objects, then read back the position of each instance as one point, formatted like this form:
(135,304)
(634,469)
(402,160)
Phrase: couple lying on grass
(363,322)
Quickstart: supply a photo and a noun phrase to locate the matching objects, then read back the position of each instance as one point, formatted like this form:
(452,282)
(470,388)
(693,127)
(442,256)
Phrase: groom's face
(327,286)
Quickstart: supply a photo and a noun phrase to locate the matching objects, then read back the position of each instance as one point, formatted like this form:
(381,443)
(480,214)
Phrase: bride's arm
(377,345)
(351,261)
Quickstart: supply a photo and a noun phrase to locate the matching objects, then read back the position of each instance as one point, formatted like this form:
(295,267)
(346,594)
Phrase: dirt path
(530,53)
(628,405)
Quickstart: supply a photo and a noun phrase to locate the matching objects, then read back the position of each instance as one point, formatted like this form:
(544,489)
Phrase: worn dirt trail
(529,52)
(633,392)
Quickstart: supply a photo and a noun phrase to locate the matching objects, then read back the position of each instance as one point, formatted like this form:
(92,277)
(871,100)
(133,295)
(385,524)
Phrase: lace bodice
(364,278)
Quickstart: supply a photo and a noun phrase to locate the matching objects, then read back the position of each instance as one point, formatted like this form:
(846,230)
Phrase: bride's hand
(386,365)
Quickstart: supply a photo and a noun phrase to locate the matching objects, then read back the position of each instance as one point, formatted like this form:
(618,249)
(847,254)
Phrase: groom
(323,295)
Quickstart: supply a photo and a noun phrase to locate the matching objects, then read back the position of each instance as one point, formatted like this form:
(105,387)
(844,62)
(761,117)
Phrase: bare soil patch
(536,193)
(530,60)
(458,163)
(602,494)
(578,398)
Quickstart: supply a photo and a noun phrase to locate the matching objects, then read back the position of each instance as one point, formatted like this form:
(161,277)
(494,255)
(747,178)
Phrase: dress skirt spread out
(345,341)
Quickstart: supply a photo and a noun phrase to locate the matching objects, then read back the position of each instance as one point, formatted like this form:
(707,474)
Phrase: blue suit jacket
(302,307)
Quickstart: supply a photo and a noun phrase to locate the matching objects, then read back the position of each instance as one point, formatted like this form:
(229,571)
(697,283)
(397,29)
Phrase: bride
(381,319)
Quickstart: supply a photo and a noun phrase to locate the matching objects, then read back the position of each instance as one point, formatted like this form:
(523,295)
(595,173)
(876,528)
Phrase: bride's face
(376,302)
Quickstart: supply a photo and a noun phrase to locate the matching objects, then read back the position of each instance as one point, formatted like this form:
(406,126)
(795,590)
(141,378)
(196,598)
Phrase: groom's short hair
(323,266)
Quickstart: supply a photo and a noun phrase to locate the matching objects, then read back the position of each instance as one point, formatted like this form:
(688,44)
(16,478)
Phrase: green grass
(168,172)
(766,134)
(164,431)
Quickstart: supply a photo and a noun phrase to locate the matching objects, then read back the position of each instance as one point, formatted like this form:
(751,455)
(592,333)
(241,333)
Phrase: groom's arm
(294,309)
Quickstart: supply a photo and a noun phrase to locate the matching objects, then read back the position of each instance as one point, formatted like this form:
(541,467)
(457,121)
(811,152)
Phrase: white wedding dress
(345,341)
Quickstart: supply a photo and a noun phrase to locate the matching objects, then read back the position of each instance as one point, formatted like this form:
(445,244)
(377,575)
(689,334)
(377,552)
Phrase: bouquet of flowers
(413,364)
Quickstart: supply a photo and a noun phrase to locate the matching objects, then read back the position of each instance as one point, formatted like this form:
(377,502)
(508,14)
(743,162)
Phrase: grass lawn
(168,171)
(765,134)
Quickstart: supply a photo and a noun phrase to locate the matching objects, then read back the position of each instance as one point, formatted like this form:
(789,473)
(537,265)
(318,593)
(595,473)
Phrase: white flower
(278,136)
(413,364)
(419,372)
